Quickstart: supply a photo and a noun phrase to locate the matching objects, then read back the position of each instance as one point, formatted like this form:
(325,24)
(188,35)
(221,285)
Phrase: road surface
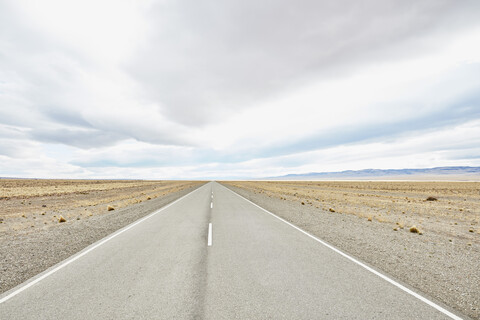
(213,255)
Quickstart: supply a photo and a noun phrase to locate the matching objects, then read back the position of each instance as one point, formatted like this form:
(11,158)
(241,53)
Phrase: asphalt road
(251,265)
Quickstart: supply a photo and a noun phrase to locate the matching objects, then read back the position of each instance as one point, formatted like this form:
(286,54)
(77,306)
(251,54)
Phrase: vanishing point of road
(214,255)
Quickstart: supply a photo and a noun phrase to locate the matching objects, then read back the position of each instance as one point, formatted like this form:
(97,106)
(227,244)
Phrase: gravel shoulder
(444,268)
(25,253)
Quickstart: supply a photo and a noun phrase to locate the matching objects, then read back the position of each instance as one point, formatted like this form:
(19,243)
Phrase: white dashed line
(209,235)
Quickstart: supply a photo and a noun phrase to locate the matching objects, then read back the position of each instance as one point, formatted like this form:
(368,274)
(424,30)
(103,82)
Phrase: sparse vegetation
(398,215)
(387,202)
(414,229)
(24,201)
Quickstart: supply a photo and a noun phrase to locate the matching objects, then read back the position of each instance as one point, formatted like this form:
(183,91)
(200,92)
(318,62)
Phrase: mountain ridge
(445,172)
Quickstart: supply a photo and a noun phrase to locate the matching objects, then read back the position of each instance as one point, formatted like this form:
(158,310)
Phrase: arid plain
(424,234)
(28,204)
(33,235)
(448,208)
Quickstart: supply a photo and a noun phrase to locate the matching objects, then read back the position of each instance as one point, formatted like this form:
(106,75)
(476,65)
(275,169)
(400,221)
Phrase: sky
(191,89)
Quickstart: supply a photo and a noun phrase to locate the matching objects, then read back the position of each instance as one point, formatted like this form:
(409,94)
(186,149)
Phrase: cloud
(217,89)
(227,56)
(75,137)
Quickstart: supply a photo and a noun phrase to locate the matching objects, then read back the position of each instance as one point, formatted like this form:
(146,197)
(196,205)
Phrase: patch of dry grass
(431,206)
(25,202)
(414,229)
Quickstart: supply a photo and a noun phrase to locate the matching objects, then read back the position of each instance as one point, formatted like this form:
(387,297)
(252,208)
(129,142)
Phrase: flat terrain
(27,204)
(173,265)
(455,213)
(256,265)
(372,221)
(31,236)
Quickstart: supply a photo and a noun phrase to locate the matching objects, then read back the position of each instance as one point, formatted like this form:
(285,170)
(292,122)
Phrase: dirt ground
(28,205)
(372,221)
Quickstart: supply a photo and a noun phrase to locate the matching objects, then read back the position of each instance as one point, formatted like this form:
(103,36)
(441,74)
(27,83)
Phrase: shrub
(414,229)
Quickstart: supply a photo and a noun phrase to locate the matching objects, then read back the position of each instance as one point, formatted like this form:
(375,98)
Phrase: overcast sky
(236,89)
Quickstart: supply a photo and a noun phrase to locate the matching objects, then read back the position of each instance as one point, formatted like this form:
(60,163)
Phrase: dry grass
(450,208)
(26,188)
(414,229)
(25,203)
(381,222)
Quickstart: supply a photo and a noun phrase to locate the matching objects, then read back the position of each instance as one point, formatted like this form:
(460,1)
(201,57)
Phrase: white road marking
(209,235)
(384,277)
(211,205)
(82,253)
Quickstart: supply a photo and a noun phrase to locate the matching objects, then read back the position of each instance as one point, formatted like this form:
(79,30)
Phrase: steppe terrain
(32,236)
(30,204)
(431,245)
(424,234)
(455,213)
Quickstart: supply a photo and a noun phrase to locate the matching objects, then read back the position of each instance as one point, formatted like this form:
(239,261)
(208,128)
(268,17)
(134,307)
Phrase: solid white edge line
(384,277)
(82,253)
(209,241)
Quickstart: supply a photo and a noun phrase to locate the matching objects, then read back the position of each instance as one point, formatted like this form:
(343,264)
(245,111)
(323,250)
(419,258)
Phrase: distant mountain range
(440,173)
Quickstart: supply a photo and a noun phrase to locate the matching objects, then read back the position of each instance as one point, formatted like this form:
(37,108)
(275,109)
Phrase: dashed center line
(209,241)
(211,205)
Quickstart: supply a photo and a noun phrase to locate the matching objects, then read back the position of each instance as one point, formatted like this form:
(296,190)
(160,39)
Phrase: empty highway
(213,255)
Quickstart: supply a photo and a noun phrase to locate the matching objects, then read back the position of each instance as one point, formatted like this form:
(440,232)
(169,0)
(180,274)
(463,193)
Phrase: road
(213,255)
